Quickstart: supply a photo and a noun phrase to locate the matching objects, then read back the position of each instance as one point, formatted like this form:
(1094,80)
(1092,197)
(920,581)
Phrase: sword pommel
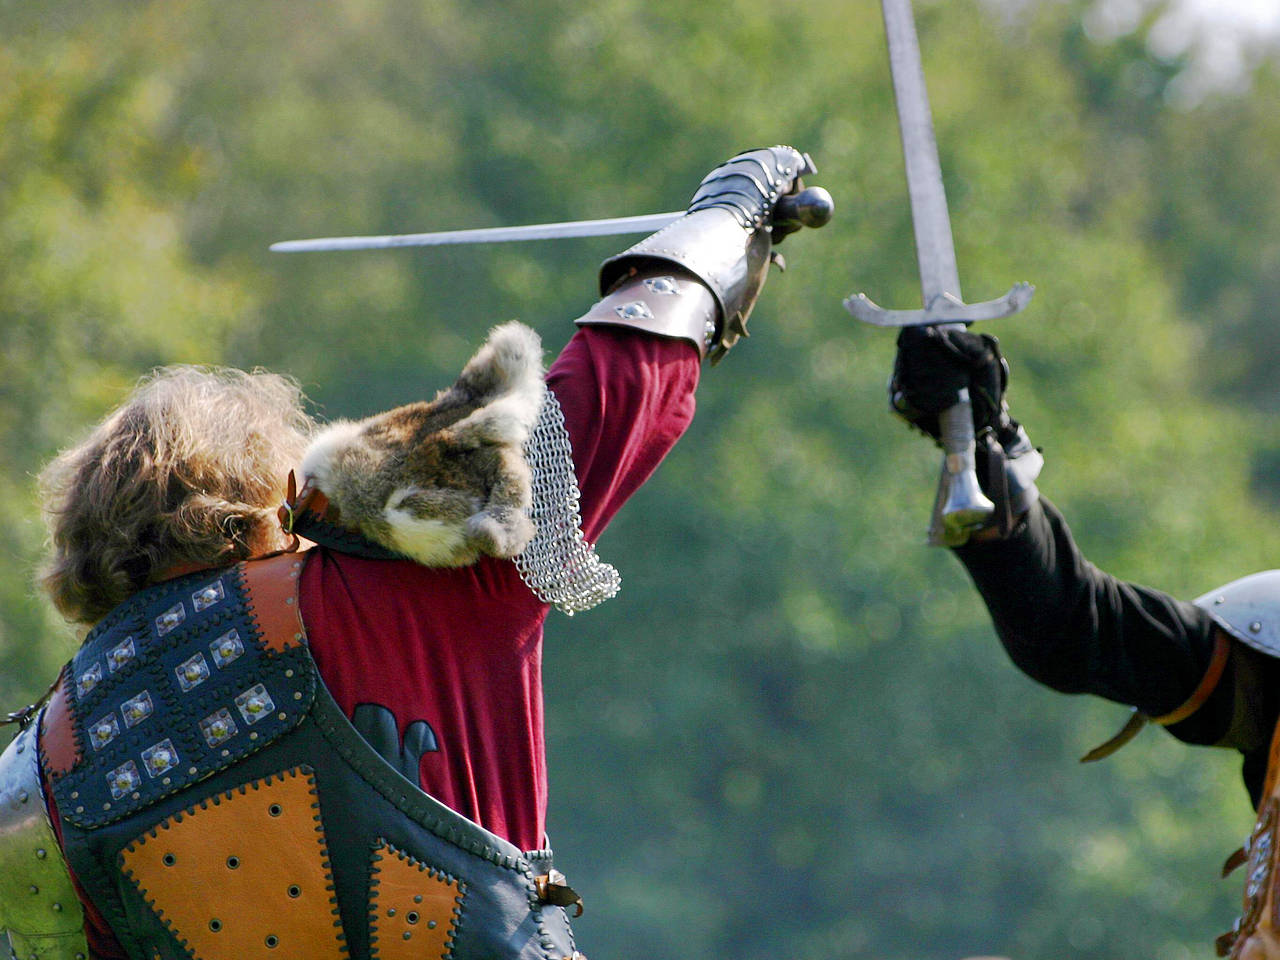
(812,207)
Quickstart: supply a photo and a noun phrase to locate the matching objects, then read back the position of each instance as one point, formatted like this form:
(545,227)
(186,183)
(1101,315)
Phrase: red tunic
(462,648)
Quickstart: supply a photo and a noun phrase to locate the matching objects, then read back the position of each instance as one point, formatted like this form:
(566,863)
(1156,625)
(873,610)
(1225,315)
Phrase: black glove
(932,366)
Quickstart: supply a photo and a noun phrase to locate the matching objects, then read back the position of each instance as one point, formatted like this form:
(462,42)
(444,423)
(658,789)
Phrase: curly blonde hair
(188,470)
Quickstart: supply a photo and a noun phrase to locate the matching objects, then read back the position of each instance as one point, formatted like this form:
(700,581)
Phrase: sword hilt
(960,504)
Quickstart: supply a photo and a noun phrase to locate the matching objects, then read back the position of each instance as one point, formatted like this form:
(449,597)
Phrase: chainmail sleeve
(559,565)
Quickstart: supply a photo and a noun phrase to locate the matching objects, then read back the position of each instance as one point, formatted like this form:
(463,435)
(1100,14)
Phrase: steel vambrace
(698,278)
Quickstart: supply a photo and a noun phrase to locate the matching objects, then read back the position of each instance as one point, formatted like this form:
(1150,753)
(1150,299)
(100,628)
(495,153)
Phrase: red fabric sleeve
(627,398)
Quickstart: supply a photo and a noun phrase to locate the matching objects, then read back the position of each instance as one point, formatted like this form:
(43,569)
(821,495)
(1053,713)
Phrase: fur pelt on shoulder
(443,482)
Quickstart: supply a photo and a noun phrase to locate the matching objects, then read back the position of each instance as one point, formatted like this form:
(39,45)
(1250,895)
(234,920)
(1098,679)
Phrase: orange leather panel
(413,909)
(272,587)
(244,875)
(58,744)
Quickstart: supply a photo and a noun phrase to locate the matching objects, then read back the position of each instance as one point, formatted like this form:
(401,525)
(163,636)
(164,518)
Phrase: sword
(960,504)
(811,207)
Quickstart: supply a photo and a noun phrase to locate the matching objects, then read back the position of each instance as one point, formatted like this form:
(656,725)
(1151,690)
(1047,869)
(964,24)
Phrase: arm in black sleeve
(1077,629)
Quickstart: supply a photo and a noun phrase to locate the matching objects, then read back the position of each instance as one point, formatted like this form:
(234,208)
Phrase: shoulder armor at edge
(38,904)
(1249,610)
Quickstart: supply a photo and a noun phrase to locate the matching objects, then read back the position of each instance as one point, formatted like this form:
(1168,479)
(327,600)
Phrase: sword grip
(960,505)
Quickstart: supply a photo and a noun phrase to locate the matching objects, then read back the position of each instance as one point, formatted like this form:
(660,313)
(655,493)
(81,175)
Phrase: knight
(315,729)
(1206,670)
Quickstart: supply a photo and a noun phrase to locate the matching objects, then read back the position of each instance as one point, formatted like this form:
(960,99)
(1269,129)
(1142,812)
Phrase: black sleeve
(1076,629)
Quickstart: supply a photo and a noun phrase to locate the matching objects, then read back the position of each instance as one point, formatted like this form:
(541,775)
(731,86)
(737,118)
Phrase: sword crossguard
(944,308)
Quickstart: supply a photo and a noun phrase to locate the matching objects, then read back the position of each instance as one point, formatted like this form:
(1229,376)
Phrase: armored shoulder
(38,905)
(1249,610)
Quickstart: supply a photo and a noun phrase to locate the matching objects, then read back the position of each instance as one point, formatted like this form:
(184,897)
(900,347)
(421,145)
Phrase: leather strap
(1137,720)
(1208,683)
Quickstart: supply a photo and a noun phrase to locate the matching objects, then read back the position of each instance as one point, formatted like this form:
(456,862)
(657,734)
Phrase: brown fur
(446,481)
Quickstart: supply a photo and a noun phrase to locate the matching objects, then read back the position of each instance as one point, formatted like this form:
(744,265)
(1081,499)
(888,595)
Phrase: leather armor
(215,801)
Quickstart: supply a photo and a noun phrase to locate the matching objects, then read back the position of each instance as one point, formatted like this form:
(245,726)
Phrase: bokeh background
(793,734)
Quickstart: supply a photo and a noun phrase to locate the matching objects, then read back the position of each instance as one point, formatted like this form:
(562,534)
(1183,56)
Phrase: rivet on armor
(160,757)
(391,912)
(1255,627)
(137,709)
(89,679)
(207,597)
(408,935)
(431,924)
(289,673)
(41,853)
(218,727)
(120,655)
(297,695)
(170,619)
(663,285)
(635,310)
(34,889)
(192,672)
(123,780)
(288,600)
(227,648)
(418,897)
(57,908)
(104,731)
(255,704)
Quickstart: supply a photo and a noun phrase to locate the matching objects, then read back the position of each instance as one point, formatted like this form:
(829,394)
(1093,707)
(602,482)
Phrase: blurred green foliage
(793,734)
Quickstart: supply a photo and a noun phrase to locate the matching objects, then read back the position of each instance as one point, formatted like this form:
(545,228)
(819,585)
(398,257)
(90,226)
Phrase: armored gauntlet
(698,278)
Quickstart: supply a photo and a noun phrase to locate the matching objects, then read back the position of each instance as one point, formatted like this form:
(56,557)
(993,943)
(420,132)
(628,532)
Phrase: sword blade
(532,231)
(930,219)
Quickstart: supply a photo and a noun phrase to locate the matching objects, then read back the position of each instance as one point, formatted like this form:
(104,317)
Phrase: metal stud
(255,704)
(160,757)
(170,619)
(192,672)
(120,655)
(227,648)
(205,598)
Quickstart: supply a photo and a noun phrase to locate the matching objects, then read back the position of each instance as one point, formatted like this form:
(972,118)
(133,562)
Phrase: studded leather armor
(215,801)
